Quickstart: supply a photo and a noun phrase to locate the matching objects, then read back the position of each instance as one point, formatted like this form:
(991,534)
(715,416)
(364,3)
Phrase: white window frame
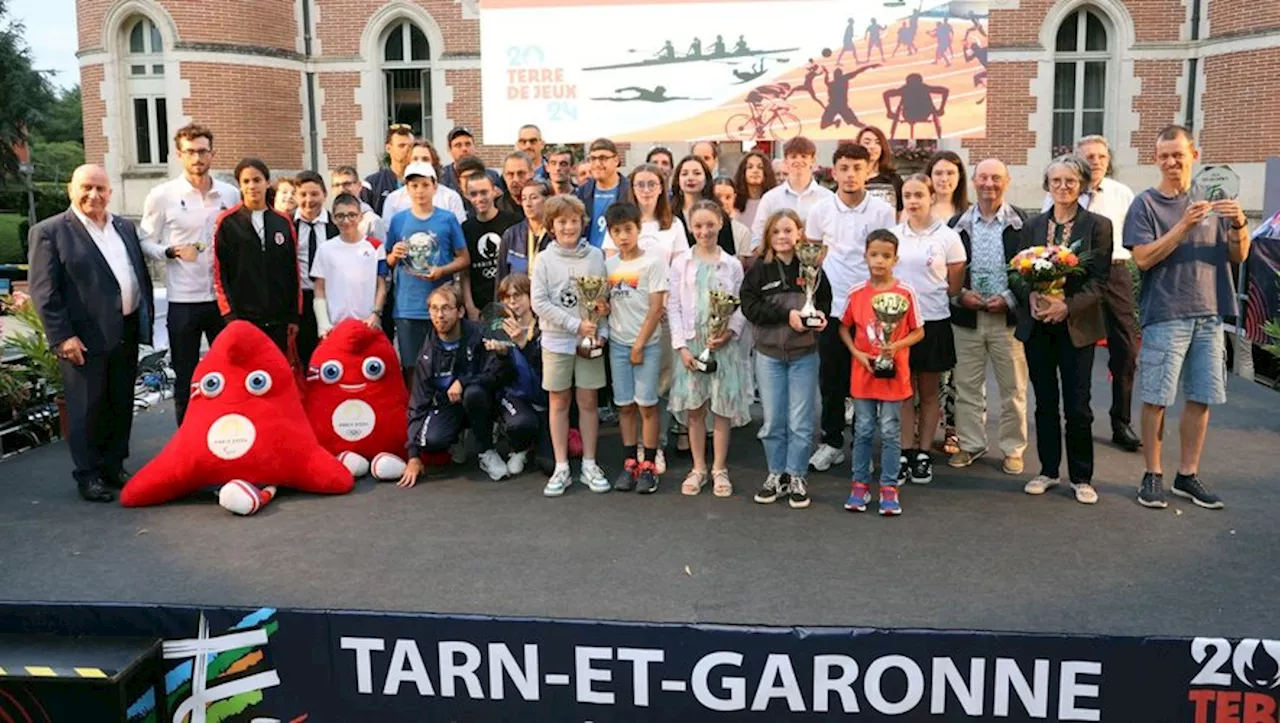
(1080,58)
(422,67)
(148,86)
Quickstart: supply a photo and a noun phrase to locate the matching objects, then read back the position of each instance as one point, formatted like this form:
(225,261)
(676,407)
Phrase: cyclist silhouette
(915,105)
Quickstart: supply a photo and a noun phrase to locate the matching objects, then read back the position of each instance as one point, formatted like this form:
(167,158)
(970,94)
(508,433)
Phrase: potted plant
(14,391)
(41,361)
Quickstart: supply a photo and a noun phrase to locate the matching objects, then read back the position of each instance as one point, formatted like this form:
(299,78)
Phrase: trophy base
(705,364)
(590,352)
(880,371)
(811,322)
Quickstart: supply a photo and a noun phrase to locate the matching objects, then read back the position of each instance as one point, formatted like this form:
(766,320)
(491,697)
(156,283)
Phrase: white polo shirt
(446,198)
(782,196)
(112,248)
(1111,199)
(923,257)
(176,214)
(844,230)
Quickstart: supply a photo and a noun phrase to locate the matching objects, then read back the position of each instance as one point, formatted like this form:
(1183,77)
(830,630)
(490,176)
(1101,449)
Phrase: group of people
(674,295)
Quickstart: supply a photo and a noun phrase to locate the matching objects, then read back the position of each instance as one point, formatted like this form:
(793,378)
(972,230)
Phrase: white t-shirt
(630,284)
(922,264)
(844,230)
(350,272)
(663,244)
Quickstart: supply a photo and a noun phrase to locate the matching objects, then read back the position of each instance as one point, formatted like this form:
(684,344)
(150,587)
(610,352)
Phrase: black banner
(321,667)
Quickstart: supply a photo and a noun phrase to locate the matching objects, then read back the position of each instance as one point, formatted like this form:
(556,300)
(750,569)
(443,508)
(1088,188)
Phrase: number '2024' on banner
(655,70)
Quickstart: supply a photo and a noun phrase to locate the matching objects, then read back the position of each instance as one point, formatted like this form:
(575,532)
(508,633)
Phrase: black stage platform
(971,551)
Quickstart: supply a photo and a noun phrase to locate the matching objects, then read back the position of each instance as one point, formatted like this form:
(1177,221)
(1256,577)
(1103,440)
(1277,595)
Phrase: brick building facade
(314,83)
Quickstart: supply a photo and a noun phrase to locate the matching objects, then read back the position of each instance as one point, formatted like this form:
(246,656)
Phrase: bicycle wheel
(784,126)
(741,127)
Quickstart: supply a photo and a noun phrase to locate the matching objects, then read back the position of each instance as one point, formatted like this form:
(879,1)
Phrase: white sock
(562,467)
(587,461)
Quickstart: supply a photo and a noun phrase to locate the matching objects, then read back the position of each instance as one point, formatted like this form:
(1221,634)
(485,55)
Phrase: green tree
(63,122)
(25,92)
(54,161)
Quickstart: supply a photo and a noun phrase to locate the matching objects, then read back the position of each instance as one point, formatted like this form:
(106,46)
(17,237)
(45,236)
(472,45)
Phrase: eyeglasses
(340,217)
(435,309)
(602,158)
(1064,183)
(646,185)
(197,152)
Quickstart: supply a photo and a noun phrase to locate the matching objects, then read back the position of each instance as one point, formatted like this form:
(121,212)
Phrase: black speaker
(63,679)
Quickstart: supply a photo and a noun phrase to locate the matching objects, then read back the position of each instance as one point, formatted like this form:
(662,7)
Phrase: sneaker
(493,465)
(964,459)
(607,414)
(825,457)
(647,481)
(889,504)
(1151,491)
(627,480)
(1012,465)
(770,490)
(559,482)
(1190,487)
(517,462)
(922,469)
(1041,484)
(797,493)
(859,497)
(660,463)
(1085,493)
(593,477)
(904,468)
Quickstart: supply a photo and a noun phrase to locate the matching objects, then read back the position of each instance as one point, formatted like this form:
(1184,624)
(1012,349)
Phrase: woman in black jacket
(1060,332)
(773,293)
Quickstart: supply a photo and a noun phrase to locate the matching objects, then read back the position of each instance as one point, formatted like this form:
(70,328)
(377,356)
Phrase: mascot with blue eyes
(243,432)
(356,400)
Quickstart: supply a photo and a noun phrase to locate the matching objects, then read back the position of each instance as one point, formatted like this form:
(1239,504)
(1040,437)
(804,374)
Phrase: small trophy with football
(889,308)
(723,305)
(591,290)
(810,255)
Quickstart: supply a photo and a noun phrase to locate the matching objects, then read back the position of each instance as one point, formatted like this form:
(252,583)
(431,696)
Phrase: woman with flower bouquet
(1058,278)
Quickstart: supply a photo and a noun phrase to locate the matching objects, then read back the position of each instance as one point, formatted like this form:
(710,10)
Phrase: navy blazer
(73,288)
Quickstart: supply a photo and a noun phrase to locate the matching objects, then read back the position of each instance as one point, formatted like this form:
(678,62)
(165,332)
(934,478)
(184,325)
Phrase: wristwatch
(1238,227)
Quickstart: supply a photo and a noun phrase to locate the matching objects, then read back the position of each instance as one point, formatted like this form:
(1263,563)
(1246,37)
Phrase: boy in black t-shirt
(483,230)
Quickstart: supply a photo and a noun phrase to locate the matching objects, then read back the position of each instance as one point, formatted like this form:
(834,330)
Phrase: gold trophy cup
(889,308)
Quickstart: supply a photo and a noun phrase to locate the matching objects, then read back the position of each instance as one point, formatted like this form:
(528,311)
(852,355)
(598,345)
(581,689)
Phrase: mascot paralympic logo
(221,678)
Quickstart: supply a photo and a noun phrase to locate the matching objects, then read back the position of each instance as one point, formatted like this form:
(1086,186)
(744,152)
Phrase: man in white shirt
(315,228)
(89,283)
(345,179)
(1111,198)
(841,222)
(799,192)
(177,227)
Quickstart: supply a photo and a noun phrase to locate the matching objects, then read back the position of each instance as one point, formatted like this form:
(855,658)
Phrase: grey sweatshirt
(555,295)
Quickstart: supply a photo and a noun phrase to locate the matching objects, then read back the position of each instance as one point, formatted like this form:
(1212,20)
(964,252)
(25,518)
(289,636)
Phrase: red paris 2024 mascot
(243,429)
(356,400)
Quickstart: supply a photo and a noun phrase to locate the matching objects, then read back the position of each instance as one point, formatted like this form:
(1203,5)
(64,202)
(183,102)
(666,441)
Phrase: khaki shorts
(561,372)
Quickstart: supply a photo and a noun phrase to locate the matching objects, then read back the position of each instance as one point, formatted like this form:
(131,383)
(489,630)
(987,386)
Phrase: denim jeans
(867,415)
(786,392)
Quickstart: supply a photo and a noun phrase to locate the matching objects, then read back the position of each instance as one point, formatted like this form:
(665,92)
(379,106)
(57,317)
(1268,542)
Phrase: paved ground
(971,551)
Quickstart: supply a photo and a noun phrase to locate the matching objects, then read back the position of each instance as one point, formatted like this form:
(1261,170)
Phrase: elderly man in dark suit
(91,287)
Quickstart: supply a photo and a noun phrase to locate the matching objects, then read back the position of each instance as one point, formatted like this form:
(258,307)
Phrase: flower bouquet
(1044,269)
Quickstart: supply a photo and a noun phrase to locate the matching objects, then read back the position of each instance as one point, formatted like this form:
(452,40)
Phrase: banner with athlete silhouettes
(657,70)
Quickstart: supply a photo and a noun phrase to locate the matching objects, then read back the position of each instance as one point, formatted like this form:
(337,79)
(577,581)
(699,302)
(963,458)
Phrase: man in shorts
(1185,256)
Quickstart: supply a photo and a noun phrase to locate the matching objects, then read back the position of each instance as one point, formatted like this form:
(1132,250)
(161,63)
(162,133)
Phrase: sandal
(693,482)
(720,484)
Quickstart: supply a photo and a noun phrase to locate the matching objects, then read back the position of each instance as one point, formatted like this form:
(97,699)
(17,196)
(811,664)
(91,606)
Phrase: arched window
(406,70)
(144,87)
(1082,51)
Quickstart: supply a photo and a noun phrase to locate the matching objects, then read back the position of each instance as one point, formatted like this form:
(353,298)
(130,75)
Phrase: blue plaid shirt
(988,270)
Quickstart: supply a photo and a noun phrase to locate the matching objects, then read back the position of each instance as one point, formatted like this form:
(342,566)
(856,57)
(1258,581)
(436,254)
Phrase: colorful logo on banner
(221,677)
(1236,682)
(745,70)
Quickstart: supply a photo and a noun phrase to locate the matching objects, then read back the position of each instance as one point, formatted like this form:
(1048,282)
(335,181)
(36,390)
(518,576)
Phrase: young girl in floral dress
(726,391)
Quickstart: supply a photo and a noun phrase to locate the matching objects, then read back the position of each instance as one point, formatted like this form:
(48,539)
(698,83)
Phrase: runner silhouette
(944,33)
(873,39)
(976,27)
(972,52)
(837,108)
(915,105)
(850,46)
